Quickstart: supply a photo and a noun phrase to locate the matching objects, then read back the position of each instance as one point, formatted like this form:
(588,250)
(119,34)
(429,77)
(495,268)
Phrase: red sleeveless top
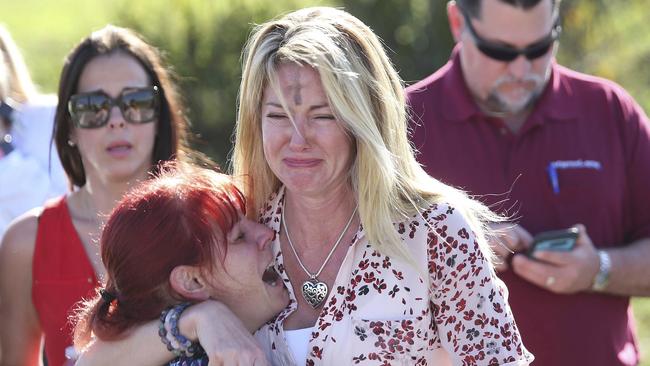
(61,276)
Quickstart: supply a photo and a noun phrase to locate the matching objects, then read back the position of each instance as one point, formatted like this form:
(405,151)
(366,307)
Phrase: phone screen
(557,240)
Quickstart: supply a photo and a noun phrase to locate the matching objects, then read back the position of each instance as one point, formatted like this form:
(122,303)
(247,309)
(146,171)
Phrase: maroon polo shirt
(582,156)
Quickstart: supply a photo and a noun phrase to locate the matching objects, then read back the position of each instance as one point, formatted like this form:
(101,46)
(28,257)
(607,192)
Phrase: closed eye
(276,116)
(236,235)
(325,117)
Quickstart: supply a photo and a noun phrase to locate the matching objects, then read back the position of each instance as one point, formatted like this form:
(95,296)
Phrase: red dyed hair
(181,217)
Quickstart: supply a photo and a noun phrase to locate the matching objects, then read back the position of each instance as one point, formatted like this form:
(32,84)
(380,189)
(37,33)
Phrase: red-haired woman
(182,237)
(118,117)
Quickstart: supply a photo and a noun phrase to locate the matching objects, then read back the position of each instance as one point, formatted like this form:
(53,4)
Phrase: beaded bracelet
(162,332)
(171,337)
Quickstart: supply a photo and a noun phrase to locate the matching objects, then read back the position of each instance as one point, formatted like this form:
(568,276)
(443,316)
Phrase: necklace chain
(91,209)
(336,244)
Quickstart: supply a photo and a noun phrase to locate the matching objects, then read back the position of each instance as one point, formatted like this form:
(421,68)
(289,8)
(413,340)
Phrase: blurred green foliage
(415,32)
(46,31)
(642,317)
(202,39)
(610,39)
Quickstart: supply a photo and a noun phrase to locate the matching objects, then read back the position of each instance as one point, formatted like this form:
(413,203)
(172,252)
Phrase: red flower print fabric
(444,306)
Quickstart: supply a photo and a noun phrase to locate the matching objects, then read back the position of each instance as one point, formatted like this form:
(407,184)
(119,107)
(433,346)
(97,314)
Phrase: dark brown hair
(171,136)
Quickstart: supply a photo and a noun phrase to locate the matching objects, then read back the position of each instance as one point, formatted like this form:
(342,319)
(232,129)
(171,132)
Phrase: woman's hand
(222,335)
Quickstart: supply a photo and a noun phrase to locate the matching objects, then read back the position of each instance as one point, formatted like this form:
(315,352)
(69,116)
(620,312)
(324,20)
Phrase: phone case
(556,240)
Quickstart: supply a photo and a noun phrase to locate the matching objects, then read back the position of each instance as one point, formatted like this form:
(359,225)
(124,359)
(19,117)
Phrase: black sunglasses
(502,52)
(93,110)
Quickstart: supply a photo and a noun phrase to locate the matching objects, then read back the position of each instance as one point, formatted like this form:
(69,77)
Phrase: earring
(71,143)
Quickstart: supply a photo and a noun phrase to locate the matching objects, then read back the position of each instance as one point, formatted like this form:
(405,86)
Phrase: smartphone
(556,240)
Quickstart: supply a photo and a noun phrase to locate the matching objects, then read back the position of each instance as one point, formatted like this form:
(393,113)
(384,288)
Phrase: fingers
(239,357)
(511,238)
(224,337)
(502,254)
(561,271)
(535,272)
(558,272)
(559,259)
(501,247)
(501,264)
(583,237)
(544,275)
(508,239)
(525,239)
(239,351)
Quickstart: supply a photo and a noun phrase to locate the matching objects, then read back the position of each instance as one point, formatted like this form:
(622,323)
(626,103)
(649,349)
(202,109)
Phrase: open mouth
(271,276)
(119,148)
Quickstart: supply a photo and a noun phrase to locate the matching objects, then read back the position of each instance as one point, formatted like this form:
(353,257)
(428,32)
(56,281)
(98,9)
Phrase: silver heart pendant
(314,292)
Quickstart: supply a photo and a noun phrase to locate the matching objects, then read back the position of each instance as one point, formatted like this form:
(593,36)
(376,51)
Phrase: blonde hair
(15,82)
(367,96)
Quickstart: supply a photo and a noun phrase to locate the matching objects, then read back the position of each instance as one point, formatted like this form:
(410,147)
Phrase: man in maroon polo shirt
(551,148)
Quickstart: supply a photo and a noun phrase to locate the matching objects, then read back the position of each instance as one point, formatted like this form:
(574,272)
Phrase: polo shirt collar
(459,104)
(556,100)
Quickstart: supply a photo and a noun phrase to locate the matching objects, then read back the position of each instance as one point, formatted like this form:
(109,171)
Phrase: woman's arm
(220,332)
(20,332)
(141,347)
(472,314)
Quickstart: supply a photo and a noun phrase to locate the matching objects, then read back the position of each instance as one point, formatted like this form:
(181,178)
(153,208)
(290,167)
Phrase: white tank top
(298,341)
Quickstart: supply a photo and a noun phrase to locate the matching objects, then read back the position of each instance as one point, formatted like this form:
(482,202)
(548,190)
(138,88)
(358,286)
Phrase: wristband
(602,277)
(171,337)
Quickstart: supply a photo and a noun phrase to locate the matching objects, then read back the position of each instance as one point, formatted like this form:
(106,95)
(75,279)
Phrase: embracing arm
(141,347)
(220,332)
(20,333)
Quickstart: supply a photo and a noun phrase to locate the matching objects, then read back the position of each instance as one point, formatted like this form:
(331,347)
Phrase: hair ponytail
(93,315)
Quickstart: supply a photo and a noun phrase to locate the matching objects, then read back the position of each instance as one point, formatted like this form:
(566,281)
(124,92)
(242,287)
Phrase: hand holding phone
(556,240)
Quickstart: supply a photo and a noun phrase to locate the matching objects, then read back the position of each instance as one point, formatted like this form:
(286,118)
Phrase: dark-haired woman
(118,117)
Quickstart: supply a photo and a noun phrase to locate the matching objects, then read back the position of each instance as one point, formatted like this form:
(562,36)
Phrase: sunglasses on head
(93,110)
(502,52)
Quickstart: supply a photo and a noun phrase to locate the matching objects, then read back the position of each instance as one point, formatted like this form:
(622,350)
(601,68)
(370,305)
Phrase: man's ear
(456,20)
(188,281)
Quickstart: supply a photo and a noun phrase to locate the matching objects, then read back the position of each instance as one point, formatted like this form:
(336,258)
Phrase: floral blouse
(381,311)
